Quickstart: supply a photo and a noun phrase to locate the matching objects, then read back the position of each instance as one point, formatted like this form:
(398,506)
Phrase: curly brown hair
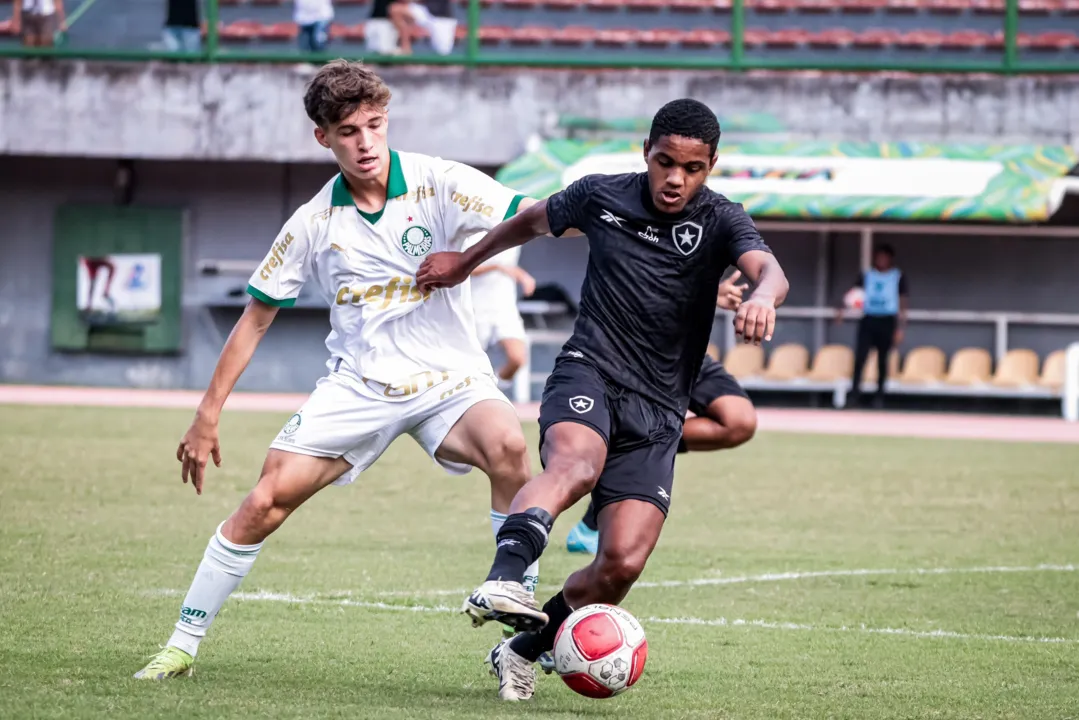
(340,88)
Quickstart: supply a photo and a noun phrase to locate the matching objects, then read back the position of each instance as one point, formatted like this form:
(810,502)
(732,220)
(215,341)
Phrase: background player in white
(494,300)
(401,361)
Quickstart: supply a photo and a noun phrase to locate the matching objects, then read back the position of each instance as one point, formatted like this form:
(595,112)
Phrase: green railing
(1009,61)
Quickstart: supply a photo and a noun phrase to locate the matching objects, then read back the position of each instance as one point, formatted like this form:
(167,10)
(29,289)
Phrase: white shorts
(500,326)
(340,419)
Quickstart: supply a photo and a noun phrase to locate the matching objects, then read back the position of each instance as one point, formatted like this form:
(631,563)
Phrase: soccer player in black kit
(613,408)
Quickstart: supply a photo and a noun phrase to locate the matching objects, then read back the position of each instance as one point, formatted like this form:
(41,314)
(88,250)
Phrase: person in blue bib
(884,317)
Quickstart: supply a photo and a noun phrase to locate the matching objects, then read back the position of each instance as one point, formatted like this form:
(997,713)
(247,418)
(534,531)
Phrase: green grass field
(99,538)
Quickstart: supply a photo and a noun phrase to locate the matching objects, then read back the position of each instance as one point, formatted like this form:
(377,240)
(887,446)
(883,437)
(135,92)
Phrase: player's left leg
(725,418)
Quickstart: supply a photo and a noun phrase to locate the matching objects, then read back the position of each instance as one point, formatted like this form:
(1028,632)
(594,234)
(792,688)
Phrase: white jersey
(385,335)
(494,293)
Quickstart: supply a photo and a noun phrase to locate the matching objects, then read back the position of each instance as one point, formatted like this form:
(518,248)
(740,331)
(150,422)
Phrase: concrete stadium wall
(235,209)
(253,112)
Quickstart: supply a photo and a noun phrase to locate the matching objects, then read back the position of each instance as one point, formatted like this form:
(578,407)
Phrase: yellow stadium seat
(923,365)
(970,366)
(1053,371)
(744,361)
(869,372)
(1019,368)
(712,351)
(787,362)
(832,362)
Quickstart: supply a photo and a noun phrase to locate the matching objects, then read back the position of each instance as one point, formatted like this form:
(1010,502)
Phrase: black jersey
(649,293)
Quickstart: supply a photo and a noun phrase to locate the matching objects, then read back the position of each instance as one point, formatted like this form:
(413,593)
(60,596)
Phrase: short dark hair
(886,249)
(340,88)
(688,118)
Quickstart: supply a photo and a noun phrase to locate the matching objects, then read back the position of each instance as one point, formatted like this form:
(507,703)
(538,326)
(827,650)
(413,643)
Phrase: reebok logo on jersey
(382,296)
(277,257)
(610,217)
(663,494)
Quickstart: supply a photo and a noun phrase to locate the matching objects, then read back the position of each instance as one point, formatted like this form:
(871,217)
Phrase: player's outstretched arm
(200,442)
(447,269)
(756,317)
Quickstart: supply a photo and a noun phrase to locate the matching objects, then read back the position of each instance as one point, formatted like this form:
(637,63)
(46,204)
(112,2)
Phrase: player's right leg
(337,433)
(287,480)
(574,427)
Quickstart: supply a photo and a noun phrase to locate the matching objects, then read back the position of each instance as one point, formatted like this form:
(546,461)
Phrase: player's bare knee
(578,474)
(619,568)
(742,428)
(507,458)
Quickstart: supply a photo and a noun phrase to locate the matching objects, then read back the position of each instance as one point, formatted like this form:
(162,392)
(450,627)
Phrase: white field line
(265,596)
(793,575)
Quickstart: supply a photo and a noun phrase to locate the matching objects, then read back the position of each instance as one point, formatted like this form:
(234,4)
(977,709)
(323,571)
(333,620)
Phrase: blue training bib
(882,292)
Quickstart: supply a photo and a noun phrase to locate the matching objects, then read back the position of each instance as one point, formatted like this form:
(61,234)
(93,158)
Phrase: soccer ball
(855,298)
(600,651)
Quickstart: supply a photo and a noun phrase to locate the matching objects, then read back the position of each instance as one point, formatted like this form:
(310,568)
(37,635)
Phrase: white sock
(222,568)
(531,578)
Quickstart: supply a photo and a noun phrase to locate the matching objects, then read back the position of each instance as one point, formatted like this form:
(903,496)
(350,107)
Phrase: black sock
(520,543)
(682,445)
(533,644)
(589,518)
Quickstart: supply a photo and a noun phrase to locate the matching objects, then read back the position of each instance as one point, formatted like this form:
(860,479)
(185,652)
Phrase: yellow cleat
(169,663)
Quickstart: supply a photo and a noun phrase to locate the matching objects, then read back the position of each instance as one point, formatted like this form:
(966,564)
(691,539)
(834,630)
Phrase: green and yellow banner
(841,181)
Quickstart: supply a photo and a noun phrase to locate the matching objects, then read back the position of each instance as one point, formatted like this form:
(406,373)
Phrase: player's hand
(526,281)
(730,293)
(756,319)
(198,444)
(441,270)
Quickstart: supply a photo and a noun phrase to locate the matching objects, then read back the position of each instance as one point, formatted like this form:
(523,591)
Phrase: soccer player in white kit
(401,361)
(494,300)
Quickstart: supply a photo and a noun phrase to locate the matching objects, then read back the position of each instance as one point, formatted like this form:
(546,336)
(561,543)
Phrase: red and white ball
(600,651)
(855,298)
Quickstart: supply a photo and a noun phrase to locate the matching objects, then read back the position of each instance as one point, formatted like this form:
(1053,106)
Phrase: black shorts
(642,436)
(713,381)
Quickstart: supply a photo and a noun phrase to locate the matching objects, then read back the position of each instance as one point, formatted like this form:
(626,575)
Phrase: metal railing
(1009,61)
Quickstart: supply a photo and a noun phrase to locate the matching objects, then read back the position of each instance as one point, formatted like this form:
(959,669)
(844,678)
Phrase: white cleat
(507,602)
(516,676)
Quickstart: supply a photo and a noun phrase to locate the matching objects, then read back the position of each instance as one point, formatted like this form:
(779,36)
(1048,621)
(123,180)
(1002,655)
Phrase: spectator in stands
(313,17)
(182,32)
(884,318)
(38,21)
(434,16)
